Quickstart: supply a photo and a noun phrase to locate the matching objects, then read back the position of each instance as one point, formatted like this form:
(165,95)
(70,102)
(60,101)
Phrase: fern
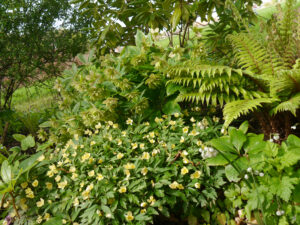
(290,105)
(210,84)
(235,109)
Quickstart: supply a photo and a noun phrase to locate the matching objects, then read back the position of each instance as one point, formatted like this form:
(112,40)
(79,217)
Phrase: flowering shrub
(115,176)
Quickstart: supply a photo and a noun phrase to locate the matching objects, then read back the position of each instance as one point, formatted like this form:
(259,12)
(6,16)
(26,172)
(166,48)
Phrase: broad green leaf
(6,172)
(293,140)
(192,220)
(237,138)
(45,124)
(220,160)
(244,127)
(139,38)
(18,137)
(171,107)
(223,144)
(172,89)
(54,221)
(231,174)
(30,162)
(27,142)
(176,17)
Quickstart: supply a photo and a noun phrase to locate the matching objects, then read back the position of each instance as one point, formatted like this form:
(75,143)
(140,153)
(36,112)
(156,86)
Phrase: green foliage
(126,175)
(265,175)
(32,46)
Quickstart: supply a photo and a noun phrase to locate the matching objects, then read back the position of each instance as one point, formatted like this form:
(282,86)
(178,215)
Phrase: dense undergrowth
(140,138)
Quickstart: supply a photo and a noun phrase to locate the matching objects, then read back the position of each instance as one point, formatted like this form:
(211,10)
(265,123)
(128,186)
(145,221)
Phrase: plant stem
(14,205)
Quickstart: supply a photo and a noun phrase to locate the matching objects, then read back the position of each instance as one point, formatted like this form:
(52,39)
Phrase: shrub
(115,176)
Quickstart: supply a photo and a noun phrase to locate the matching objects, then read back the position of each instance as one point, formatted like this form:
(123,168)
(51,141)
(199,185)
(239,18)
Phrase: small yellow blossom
(176,115)
(147,123)
(197,185)
(194,133)
(29,193)
(152,134)
(98,126)
(99,213)
(184,170)
(85,194)
(185,161)
(76,202)
(152,141)
(91,173)
(23,205)
(99,176)
(86,156)
(127,172)
(134,145)
(180,186)
(143,211)
(151,200)
(50,173)
(123,133)
(62,184)
(196,175)
(129,216)
(143,204)
(172,122)
(193,120)
(35,183)
(24,185)
(92,143)
(144,171)
(199,143)
(119,142)
(120,156)
(46,216)
(74,176)
(174,185)
(173,146)
(39,219)
(185,129)
(115,126)
(155,152)
(142,146)
(122,189)
(57,178)
(100,161)
(40,203)
(146,155)
(41,158)
(129,166)
(90,187)
(49,185)
(182,139)
(64,221)
(72,169)
(129,121)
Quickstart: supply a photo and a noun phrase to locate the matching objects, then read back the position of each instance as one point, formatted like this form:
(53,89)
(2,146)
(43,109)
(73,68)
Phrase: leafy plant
(264,175)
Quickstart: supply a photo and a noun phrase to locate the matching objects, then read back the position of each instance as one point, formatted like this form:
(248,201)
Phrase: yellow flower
(173,146)
(194,133)
(147,123)
(151,200)
(143,204)
(99,176)
(35,183)
(197,185)
(99,213)
(39,219)
(122,189)
(64,221)
(172,122)
(120,156)
(57,178)
(41,158)
(91,173)
(24,185)
(144,171)
(180,186)
(40,203)
(98,126)
(152,141)
(181,139)
(49,185)
(134,145)
(74,176)
(127,172)
(115,126)
(50,173)
(146,155)
(184,170)
(152,134)
(86,156)
(184,153)
(154,152)
(76,202)
(174,185)
(92,143)
(72,169)
(46,216)
(192,120)
(142,146)
(29,193)
(185,161)
(199,143)
(100,161)
(176,115)
(196,175)
(185,130)
(119,142)
(129,121)
(129,216)
(123,133)
(62,185)
(85,194)
(157,120)
(90,187)
(129,166)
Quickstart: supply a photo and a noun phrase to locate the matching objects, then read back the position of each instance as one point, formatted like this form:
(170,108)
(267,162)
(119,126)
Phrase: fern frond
(290,105)
(286,83)
(235,109)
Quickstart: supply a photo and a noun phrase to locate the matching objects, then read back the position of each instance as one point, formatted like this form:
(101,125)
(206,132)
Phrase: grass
(35,98)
